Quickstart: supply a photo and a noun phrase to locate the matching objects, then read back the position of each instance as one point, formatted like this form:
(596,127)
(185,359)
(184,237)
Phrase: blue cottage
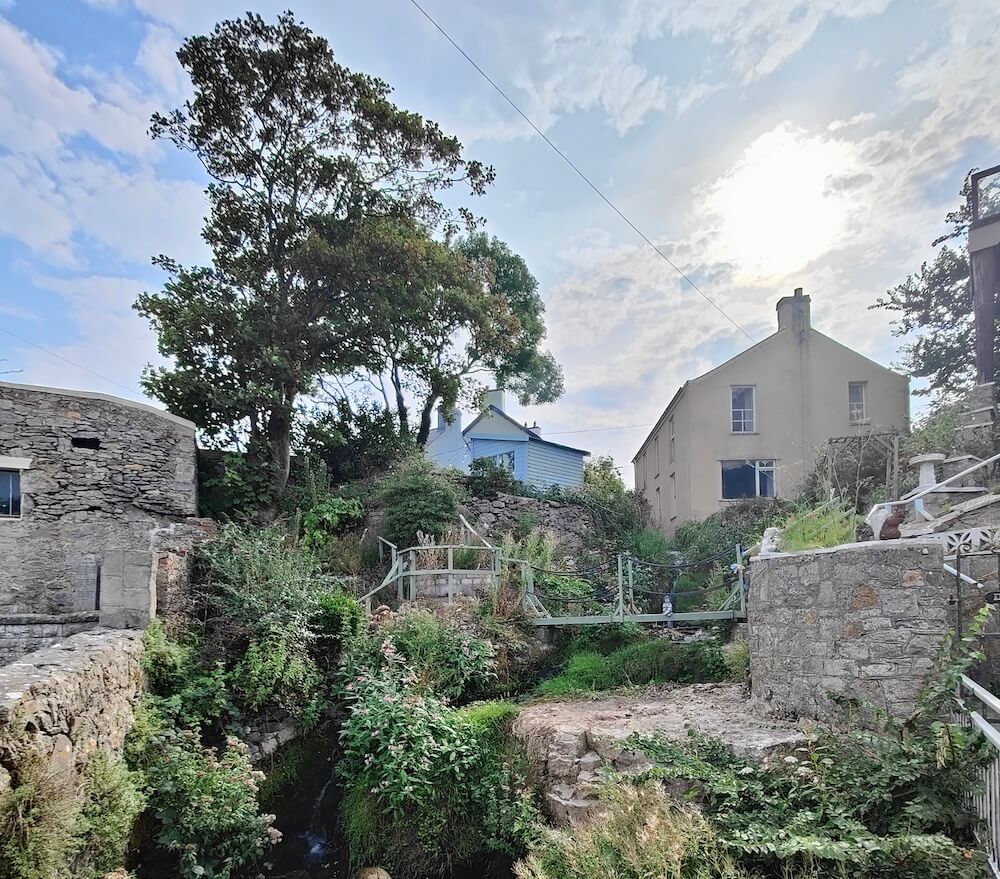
(495,435)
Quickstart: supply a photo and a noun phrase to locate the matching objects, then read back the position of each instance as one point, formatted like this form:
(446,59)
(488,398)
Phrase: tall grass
(830,524)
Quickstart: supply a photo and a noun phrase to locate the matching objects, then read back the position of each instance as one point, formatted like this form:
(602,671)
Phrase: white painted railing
(877,515)
(987,801)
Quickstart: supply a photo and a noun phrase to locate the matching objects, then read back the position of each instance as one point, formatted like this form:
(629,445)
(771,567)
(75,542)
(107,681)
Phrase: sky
(761,144)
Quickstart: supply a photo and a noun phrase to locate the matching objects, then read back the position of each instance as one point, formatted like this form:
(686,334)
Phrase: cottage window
(673,443)
(85,442)
(10,494)
(504,460)
(743,399)
(856,392)
(741,479)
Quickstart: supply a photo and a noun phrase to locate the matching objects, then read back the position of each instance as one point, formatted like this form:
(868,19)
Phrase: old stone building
(87,483)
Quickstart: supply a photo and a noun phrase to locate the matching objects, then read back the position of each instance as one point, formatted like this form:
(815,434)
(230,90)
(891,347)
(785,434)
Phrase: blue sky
(763,144)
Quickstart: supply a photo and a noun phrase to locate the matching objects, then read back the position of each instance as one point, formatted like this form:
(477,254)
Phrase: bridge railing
(983,713)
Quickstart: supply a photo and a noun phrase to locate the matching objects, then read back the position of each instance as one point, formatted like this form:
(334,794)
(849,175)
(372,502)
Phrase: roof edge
(107,398)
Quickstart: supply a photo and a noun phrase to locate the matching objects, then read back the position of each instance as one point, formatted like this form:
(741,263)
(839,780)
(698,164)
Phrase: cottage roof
(530,435)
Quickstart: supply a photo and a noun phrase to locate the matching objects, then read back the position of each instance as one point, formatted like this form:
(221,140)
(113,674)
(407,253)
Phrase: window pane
(742,410)
(738,479)
(765,473)
(10,493)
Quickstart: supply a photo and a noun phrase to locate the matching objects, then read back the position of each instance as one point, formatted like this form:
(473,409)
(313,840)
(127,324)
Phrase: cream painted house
(753,427)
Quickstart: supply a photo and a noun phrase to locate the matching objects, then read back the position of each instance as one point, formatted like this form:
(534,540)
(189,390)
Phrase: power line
(598,429)
(580,173)
(71,362)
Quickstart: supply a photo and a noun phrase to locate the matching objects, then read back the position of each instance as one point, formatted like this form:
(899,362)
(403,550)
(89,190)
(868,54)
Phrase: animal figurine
(890,527)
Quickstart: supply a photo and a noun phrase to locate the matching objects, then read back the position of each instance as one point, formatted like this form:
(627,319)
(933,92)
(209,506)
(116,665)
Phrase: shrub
(38,820)
(329,517)
(336,620)
(279,671)
(428,787)
(487,478)
(641,834)
(737,658)
(444,659)
(415,499)
(649,661)
(112,801)
(205,804)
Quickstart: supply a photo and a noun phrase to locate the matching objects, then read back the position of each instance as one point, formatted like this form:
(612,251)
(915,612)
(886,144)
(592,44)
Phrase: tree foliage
(306,158)
(936,314)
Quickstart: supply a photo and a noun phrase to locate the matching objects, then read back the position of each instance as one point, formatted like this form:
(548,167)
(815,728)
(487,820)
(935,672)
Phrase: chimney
(535,429)
(793,312)
(495,398)
(449,419)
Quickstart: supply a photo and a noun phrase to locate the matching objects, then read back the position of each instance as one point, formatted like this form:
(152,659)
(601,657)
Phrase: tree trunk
(425,421)
(279,439)
(401,411)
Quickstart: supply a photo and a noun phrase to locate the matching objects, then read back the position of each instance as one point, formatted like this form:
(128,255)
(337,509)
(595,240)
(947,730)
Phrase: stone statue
(890,527)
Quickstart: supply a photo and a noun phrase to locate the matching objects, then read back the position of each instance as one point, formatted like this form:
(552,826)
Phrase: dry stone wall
(863,620)
(104,475)
(24,633)
(66,702)
(569,523)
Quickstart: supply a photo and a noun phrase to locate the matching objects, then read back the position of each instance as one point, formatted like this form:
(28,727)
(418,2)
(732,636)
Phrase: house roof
(530,435)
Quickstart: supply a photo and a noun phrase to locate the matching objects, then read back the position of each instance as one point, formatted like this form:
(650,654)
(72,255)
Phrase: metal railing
(916,499)
(616,603)
(986,801)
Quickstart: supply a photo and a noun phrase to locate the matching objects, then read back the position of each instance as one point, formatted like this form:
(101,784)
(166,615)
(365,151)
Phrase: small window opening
(85,442)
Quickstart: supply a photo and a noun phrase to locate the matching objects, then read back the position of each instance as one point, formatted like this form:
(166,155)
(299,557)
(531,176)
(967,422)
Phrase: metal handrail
(389,578)
(938,485)
(471,530)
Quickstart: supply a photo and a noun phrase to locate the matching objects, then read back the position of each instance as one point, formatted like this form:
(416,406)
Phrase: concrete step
(982,510)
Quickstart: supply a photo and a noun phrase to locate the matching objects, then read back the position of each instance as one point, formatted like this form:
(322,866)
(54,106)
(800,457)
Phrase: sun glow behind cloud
(779,207)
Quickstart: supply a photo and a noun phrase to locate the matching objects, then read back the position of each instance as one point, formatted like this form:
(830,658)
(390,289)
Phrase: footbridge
(620,589)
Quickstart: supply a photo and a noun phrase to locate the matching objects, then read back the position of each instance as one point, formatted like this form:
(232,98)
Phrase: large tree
(452,317)
(936,312)
(303,155)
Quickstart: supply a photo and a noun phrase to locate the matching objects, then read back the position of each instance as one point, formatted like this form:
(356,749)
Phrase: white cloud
(157,57)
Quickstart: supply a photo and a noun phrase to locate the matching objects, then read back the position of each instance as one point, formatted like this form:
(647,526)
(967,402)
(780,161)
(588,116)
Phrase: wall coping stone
(862,546)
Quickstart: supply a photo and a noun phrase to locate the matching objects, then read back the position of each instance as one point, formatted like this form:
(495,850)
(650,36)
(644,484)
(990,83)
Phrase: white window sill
(744,433)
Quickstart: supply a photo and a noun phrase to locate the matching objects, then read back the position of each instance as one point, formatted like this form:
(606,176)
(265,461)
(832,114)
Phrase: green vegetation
(888,802)
(328,518)
(429,787)
(417,500)
(829,524)
(53,825)
(643,661)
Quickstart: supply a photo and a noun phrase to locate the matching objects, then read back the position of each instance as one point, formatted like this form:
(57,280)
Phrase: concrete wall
(81,504)
(863,620)
(801,381)
(64,703)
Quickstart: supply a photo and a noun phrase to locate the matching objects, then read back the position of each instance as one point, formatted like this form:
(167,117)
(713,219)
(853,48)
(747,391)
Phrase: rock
(372,873)
(568,743)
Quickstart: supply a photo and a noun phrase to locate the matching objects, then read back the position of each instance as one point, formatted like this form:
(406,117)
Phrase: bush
(649,661)
(740,522)
(641,834)
(429,788)
(444,659)
(277,671)
(417,500)
(737,658)
(205,804)
(337,619)
(328,518)
(112,801)
(487,478)
(51,826)
(38,821)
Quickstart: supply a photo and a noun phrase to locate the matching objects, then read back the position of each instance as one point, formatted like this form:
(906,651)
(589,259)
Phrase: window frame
(13,472)
(752,410)
(765,465)
(863,385)
(501,459)
(673,495)
(672,444)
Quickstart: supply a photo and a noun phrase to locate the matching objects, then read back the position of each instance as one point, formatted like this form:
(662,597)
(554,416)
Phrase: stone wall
(25,633)
(569,523)
(102,475)
(862,620)
(64,703)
